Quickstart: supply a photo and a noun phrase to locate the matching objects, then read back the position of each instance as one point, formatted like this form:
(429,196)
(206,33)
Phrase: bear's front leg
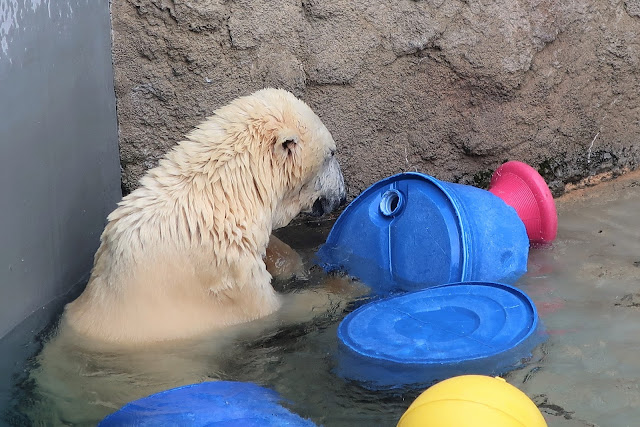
(282,261)
(333,295)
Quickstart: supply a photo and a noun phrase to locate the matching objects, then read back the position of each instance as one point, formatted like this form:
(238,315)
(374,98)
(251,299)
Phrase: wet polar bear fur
(183,254)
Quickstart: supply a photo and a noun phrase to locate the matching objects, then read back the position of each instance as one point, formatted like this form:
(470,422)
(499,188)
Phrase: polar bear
(183,254)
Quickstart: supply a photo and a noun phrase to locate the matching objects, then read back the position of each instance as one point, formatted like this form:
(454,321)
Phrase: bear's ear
(286,143)
(289,144)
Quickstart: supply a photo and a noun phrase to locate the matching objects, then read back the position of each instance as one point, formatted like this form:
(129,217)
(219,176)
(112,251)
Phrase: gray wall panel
(59,170)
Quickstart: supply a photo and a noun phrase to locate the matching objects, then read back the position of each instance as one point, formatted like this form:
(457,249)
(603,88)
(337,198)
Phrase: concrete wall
(59,169)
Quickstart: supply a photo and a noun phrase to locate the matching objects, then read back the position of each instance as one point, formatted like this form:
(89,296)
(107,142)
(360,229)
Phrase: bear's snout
(330,184)
(325,205)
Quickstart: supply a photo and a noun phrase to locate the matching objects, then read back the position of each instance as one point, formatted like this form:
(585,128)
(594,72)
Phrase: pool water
(586,287)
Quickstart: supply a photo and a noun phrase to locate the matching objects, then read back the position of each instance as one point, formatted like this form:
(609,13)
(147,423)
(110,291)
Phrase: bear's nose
(317,209)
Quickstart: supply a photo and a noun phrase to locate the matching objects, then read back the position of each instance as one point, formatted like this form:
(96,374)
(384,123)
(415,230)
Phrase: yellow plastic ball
(472,400)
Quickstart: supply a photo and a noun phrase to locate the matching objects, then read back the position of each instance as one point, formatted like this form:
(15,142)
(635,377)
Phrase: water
(586,286)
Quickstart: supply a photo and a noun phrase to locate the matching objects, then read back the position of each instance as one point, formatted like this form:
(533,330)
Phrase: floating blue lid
(412,231)
(454,329)
(220,403)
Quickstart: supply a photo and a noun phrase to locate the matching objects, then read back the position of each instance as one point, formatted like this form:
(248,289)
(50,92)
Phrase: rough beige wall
(450,88)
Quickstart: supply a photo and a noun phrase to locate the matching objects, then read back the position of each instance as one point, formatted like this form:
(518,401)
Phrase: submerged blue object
(219,403)
(412,231)
(436,333)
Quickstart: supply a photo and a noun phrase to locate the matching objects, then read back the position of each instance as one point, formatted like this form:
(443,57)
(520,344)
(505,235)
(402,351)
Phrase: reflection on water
(586,287)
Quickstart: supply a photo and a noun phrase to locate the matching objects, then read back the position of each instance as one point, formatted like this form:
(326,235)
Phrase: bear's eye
(332,153)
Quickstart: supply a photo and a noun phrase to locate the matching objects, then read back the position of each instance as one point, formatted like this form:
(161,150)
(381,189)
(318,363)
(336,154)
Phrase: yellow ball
(472,400)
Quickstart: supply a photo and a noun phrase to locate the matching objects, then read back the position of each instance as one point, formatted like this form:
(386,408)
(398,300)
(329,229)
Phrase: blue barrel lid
(450,325)
(220,403)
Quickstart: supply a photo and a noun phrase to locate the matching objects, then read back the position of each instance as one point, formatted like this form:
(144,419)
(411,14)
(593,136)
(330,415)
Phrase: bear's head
(303,150)
(272,145)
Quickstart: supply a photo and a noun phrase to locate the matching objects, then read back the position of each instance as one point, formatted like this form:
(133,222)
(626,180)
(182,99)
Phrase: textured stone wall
(449,88)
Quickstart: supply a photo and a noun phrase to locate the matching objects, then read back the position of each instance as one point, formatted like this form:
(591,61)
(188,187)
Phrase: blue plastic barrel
(219,403)
(433,334)
(412,231)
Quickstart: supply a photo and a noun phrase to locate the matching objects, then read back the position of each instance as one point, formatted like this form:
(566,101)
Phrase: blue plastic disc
(462,328)
(220,403)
